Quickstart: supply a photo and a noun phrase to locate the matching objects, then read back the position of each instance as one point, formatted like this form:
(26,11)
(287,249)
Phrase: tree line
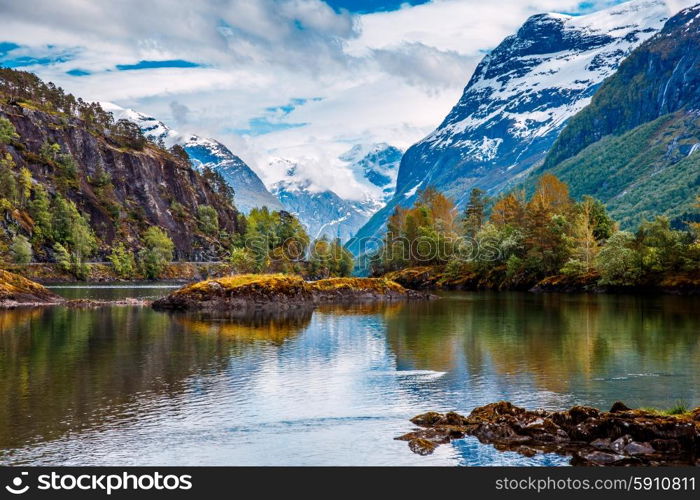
(514,240)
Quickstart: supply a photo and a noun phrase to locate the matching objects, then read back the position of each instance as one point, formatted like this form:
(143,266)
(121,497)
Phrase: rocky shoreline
(103,272)
(434,278)
(621,436)
(281,292)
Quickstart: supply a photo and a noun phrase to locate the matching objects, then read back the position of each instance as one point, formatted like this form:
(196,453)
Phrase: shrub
(21,250)
(208,220)
(62,257)
(617,262)
(7,131)
(242,260)
(178,210)
(123,261)
(157,252)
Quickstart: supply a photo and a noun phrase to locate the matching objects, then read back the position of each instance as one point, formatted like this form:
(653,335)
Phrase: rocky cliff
(122,190)
(250,192)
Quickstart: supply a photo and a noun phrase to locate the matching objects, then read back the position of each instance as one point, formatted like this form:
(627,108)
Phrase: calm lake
(130,386)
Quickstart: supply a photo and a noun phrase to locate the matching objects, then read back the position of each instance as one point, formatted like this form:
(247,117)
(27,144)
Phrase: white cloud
(383,77)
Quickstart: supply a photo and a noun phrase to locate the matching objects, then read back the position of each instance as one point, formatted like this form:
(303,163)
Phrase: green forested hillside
(651,170)
(636,146)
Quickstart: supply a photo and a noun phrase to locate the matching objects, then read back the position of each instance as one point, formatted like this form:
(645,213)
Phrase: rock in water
(589,436)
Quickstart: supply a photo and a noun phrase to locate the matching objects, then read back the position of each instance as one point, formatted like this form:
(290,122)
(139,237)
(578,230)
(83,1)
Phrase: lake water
(130,386)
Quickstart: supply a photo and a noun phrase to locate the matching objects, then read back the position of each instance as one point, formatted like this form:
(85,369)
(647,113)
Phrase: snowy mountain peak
(522,93)
(377,164)
(150,126)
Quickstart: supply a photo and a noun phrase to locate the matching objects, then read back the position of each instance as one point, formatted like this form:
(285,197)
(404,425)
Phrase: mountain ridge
(517,101)
(101,173)
(637,145)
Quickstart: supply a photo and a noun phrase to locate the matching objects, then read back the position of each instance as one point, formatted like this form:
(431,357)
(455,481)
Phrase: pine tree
(474,213)
(7,131)
(8,182)
(40,211)
(24,183)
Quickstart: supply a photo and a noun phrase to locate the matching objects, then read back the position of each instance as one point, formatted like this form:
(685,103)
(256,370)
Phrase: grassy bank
(17,290)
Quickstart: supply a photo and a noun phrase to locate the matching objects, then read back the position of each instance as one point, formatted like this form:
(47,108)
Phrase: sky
(304,80)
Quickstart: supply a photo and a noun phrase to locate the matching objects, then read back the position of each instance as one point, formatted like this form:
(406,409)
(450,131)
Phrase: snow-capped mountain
(370,172)
(150,126)
(518,100)
(636,147)
(378,164)
(250,192)
(321,211)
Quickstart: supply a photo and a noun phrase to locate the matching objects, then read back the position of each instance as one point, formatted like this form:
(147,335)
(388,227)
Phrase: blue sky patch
(285,109)
(23,61)
(172,63)
(11,59)
(6,47)
(262,125)
(367,6)
(78,72)
(586,7)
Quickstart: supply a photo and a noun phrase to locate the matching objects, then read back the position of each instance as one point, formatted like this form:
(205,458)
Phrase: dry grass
(242,283)
(380,285)
(12,285)
(281,283)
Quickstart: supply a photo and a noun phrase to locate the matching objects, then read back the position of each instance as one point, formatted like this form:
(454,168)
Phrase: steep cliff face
(518,101)
(148,187)
(250,192)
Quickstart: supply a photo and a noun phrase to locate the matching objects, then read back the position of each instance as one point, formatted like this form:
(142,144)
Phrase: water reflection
(267,326)
(133,386)
(562,343)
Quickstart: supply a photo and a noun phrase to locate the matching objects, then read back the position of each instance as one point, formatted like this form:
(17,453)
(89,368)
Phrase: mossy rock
(16,291)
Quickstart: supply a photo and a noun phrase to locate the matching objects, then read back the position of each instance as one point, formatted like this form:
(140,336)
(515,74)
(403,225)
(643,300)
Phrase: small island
(17,291)
(280,292)
(621,436)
